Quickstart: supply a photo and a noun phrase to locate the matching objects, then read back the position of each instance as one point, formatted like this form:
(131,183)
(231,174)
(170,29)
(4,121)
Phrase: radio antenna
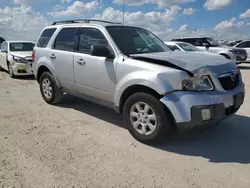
(123,10)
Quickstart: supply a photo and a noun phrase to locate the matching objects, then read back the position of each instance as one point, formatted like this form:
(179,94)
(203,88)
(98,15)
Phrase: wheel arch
(145,89)
(136,89)
(225,55)
(43,69)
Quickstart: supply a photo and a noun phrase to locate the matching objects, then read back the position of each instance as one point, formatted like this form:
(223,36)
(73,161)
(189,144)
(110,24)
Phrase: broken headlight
(19,59)
(202,83)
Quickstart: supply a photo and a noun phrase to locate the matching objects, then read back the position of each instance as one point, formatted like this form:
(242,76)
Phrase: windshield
(188,47)
(21,46)
(132,40)
(212,42)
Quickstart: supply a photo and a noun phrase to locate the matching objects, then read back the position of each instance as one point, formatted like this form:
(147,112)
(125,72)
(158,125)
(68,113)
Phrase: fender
(143,78)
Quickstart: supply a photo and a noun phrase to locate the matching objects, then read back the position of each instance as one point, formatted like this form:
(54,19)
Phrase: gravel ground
(79,144)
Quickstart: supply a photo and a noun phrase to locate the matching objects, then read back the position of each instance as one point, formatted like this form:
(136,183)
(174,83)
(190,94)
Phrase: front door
(94,76)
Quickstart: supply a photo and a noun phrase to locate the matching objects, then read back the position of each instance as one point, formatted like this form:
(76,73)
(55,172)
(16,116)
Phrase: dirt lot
(79,144)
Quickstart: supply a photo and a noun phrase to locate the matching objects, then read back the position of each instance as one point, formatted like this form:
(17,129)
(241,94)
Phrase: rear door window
(45,37)
(66,39)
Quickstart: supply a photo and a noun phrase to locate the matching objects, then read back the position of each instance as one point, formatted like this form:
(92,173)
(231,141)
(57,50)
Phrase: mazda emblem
(233,77)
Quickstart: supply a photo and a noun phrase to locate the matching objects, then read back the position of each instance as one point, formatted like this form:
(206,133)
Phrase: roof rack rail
(81,20)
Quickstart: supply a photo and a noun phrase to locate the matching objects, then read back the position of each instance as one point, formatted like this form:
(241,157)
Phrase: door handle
(81,62)
(53,56)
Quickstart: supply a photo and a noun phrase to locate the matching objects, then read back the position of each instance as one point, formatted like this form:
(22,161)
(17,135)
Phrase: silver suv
(132,71)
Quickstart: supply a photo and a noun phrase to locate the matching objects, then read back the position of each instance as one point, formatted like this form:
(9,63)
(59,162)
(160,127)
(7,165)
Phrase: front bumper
(186,107)
(21,69)
(238,58)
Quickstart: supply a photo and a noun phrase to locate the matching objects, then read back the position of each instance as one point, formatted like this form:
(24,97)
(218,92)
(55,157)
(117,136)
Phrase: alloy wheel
(47,88)
(143,118)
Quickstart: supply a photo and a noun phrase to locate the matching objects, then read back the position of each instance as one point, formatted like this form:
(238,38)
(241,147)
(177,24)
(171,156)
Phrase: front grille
(240,58)
(229,83)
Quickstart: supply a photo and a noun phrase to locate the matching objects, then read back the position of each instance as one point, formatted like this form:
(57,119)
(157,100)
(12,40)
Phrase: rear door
(94,76)
(62,56)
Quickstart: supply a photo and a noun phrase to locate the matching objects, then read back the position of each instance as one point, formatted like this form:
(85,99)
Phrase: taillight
(33,56)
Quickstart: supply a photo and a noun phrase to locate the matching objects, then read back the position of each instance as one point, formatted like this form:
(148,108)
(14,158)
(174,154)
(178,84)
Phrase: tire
(49,90)
(163,124)
(10,71)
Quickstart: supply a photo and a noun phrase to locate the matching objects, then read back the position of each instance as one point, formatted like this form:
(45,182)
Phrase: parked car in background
(208,44)
(181,46)
(234,43)
(246,46)
(187,47)
(132,71)
(16,57)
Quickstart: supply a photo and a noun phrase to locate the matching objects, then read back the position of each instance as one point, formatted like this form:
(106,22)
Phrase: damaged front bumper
(21,69)
(191,109)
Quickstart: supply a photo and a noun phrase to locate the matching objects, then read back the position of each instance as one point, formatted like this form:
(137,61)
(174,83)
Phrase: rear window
(45,37)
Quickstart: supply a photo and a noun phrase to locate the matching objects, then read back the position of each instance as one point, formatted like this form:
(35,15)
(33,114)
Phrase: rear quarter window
(45,37)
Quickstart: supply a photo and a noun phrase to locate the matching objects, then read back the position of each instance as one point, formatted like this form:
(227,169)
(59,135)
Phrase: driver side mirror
(100,51)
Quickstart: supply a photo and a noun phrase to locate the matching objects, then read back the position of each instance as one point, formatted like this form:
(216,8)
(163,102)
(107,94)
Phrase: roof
(85,21)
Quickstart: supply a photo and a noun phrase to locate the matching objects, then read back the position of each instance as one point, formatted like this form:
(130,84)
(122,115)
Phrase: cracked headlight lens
(198,84)
(19,59)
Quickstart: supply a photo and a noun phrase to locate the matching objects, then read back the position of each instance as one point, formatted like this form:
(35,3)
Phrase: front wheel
(49,90)
(146,118)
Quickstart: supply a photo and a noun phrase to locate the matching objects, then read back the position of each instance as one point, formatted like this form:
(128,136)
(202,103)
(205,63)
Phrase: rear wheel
(146,118)
(49,90)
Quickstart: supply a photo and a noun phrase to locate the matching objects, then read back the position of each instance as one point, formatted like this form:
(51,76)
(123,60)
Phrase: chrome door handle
(81,62)
(53,56)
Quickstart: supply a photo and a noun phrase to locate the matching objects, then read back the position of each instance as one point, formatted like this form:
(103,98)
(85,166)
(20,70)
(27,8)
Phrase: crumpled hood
(195,63)
(22,54)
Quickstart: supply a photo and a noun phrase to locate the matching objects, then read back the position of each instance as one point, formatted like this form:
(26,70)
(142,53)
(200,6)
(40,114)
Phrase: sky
(220,19)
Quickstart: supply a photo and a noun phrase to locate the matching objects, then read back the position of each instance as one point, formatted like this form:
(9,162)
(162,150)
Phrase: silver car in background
(237,55)
(132,71)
